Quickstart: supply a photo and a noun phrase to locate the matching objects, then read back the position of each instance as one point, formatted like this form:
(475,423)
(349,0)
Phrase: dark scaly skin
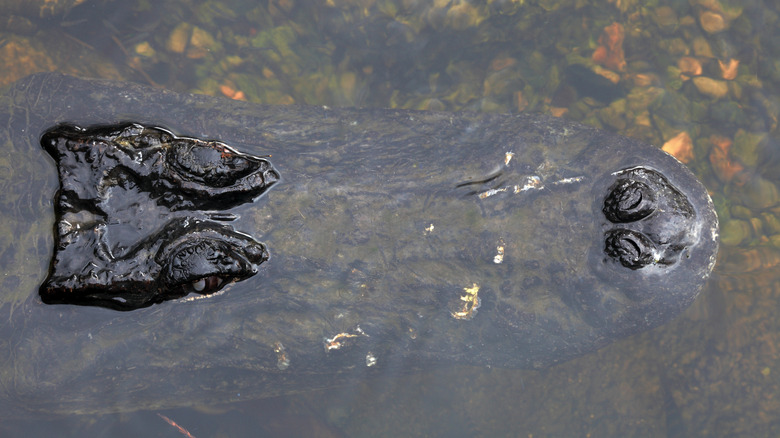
(397,239)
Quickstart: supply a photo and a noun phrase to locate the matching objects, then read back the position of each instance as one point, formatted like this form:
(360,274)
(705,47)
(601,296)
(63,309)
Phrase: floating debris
(183,431)
(344,339)
(283,360)
(469,303)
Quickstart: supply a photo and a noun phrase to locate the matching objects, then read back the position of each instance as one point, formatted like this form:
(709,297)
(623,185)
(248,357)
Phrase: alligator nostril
(629,201)
(633,250)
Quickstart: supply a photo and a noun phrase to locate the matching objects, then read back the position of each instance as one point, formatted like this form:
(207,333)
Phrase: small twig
(78,41)
(137,69)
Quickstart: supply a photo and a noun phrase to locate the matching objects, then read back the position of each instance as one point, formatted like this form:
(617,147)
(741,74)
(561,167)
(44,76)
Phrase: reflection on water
(698,77)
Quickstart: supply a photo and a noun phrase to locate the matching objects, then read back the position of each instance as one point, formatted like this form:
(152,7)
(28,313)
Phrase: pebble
(689,65)
(680,147)
(711,87)
(734,232)
(701,47)
(712,22)
(665,18)
(177,42)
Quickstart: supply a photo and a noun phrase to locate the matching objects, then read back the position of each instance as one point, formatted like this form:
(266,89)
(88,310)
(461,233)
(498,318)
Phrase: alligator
(391,239)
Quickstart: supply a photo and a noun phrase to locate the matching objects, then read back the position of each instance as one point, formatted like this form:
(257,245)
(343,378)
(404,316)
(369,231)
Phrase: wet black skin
(132,223)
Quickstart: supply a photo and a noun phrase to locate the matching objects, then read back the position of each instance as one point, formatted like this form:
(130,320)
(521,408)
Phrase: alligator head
(132,226)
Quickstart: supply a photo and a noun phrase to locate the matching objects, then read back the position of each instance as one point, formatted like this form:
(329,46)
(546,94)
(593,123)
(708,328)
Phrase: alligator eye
(206,285)
(633,250)
(629,201)
(213,163)
(204,265)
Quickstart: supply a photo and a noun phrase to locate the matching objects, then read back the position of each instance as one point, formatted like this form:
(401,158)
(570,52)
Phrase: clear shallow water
(712,372)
